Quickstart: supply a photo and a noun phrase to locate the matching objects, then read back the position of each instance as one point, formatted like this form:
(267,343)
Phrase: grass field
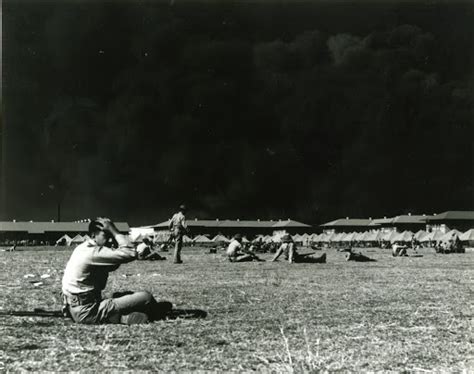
(396,314)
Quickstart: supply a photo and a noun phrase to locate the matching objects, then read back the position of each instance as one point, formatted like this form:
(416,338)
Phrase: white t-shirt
(233,248)
(143,249)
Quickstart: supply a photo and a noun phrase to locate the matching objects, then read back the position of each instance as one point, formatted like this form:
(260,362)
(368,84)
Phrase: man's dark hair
(95,227)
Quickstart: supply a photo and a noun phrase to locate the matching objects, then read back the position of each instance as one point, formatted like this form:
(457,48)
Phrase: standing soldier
(178,228)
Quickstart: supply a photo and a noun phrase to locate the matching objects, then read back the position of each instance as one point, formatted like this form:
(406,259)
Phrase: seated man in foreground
(288,247)
(86,276)
(237,253)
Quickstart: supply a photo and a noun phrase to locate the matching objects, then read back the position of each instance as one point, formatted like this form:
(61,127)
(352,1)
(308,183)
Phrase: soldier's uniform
(235,251)
(288,248)
(178,228)
(86,276)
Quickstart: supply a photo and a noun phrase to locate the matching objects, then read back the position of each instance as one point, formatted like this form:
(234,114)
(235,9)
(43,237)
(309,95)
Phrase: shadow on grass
(185,314)
(170,315)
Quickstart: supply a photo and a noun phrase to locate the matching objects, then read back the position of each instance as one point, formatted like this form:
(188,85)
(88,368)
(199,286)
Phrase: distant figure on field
(146,251)
(399,250)
(457,245)
(178,228)
(86,276)
(288,248)
(357,256)
(236,252)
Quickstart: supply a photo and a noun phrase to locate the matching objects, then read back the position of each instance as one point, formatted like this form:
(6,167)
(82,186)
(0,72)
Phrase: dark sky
(241,110)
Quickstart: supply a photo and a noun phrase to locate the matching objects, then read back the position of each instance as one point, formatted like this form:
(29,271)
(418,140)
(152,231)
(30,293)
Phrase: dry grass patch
(395,314)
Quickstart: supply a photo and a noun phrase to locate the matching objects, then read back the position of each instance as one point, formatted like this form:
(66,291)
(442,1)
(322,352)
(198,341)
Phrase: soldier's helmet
(238,237)
(286,238)
(183,208)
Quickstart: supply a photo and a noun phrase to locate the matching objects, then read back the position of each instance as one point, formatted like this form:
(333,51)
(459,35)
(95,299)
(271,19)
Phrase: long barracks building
(460,220)
(248,228)
(45,232)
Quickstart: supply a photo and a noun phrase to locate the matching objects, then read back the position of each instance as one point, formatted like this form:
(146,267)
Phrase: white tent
(379,235)
(432,236)
(391,238)
(187,239)
(220,239)
(385,236)
(420,235)
(305,238)
(370,237)
(349,237)
(404,236)
(450,235)
(297,238)
(315,238)
(338,237)
(327,237)
(201,239)
(360,236)
(77,239)
(467,236)
(334,237)
(64,240)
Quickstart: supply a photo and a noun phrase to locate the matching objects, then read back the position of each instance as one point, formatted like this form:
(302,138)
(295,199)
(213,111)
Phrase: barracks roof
(43,227)
(402,219)
(237,223)
(410,219)
(348,222)
(381,221)
(466,215)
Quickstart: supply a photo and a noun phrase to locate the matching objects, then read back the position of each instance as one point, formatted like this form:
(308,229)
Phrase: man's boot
(134,318)
(159,310)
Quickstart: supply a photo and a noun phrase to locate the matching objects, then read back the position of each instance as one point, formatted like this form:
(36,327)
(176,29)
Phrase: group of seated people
(452,246)
(237,252)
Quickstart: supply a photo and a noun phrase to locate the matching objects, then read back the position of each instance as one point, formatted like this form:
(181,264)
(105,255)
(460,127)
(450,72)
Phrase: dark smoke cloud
(316,112)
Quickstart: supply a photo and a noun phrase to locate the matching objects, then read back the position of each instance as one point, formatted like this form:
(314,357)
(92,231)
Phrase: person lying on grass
(86,276)
(236,252)
(288,248)
(357,257)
